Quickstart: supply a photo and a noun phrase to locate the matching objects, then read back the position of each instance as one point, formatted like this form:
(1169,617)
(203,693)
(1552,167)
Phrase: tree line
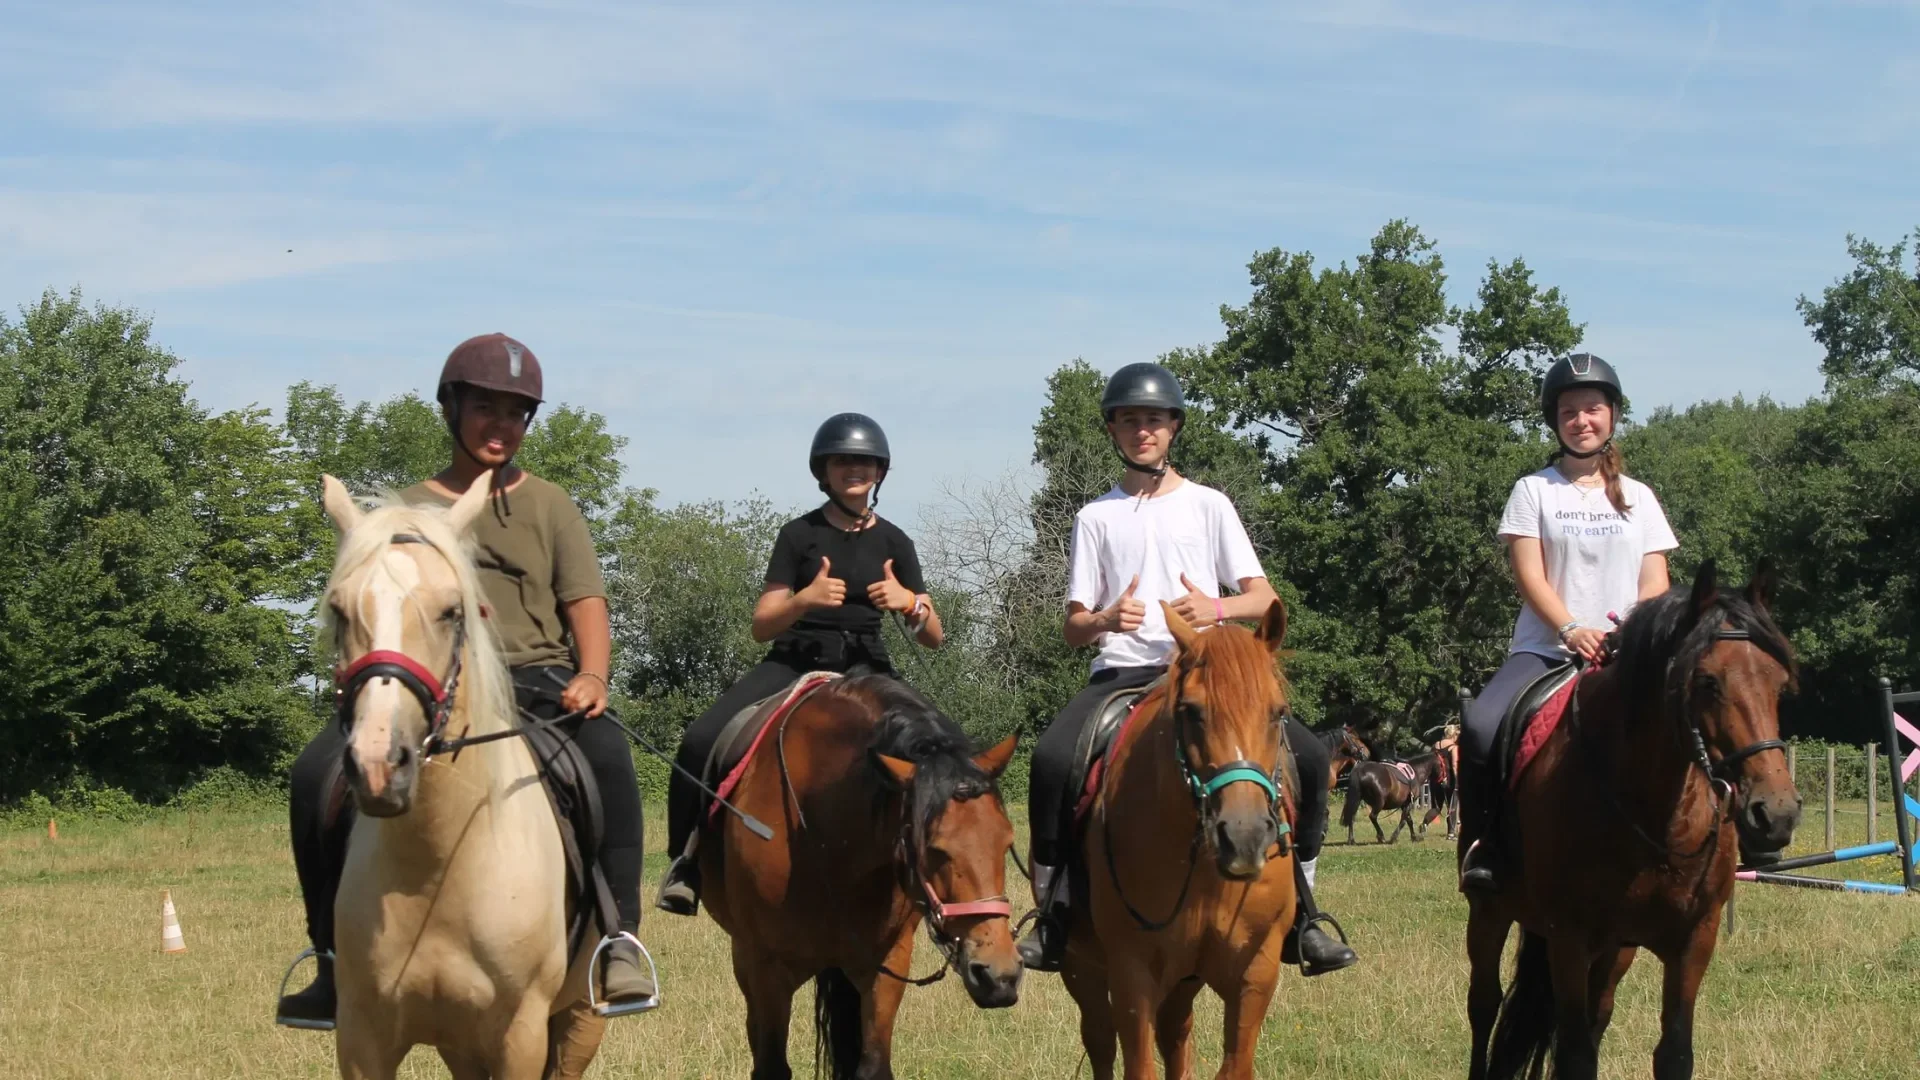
(159,562)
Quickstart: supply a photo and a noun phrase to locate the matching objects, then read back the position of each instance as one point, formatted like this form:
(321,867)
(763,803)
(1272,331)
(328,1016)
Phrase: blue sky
(718,223)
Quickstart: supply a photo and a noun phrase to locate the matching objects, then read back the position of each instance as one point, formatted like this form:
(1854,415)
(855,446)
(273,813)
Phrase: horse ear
(1706,589)
(339,504)
(993,761)
(467,507)
(900,769)
(1273,625)
(1183,631)
(1761,589)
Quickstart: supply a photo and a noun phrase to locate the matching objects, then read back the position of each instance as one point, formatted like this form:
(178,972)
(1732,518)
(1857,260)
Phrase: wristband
(1219,611)
(917,616)
(1569,628)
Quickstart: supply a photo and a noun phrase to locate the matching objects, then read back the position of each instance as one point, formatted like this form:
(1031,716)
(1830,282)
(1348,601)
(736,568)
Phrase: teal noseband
(1233,775)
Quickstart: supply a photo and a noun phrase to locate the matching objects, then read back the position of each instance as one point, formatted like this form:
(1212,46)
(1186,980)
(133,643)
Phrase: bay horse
(1198,785)
(451,917)
(1384,785)
(1343,749)
(881,816)
(1628,821)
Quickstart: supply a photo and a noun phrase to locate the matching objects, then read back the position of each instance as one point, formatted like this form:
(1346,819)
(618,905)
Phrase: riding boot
(1044,948)
(680,886)
(628,977)
(1316,951)
(313,1007)
(1480,866)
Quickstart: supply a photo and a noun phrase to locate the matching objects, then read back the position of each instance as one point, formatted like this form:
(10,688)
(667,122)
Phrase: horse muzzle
(384,787)
(993,982)
(1765,821)
(1241,841)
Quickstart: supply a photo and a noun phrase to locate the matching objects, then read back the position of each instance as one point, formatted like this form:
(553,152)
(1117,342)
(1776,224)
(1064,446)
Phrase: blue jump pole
(1801,862)
(1820,883)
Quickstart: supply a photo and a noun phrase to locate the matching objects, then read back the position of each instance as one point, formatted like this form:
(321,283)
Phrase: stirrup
(611,1009)
(298,1022)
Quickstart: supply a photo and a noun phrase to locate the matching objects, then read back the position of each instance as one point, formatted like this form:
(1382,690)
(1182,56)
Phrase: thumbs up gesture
(1125,614)
(824,590)
(888,594)
(1198,608)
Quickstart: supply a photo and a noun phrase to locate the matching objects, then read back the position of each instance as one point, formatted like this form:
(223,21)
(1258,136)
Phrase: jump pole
(1900,768)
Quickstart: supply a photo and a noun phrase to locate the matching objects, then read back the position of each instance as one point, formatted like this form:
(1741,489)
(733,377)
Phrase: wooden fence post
(1793,764)
(1830,751)
(1873,792)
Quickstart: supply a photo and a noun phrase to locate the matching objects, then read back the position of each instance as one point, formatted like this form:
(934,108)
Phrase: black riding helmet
(854,435)
(1144,386)
(1576,372)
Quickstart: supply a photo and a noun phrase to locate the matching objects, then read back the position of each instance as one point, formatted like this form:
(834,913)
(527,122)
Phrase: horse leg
(1673,1055)
(1607,973)
(1132,993)
(1575,1054)
(1173,1029)
(573,1038)
(1088,988)
(1246,1011)
(1373,815)
(879,1002)
(522,1053)
(365,1059)
(768,988)
(1486,942)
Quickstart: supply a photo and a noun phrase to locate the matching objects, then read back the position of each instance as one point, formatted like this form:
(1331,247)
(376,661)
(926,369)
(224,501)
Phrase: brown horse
(1384,785)
(880,817)
(1344,748)
(1626,825)
(1196,771)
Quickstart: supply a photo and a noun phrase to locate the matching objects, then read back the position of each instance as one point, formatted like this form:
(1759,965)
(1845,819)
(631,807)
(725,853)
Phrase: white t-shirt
(1192,530)
(1592,552)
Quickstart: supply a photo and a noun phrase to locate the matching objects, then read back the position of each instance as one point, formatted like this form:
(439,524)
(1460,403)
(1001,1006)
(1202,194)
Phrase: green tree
(1869,320)
(145,543)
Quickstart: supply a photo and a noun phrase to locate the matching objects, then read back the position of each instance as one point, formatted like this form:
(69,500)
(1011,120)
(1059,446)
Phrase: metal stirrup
(299,1022)
(611,1009)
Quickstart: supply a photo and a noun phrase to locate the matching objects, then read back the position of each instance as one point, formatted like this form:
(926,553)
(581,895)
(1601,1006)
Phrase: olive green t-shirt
(535,554)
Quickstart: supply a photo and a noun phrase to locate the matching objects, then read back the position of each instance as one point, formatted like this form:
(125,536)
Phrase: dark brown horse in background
(881,816)
(1382,785)
(1189,858)
(1343,749)
(1627,823)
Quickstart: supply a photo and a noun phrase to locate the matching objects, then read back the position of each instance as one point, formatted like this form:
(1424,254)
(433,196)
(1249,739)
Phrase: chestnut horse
(1627,822)
(1344,748)
(1381,785)
(880,817)
(1198,772)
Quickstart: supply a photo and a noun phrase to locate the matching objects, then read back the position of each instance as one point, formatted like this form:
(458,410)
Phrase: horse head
(954,855)
(1229,705)
(403,606)
(1740,665)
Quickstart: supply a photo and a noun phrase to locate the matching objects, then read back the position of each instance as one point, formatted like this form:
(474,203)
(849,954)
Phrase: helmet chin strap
(1156,473)
(1566,451)
(859,519)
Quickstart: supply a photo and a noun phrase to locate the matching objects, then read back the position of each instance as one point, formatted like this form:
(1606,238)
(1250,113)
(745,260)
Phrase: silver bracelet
(1569,628)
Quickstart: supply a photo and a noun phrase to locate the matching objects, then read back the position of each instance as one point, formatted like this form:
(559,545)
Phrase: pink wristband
(1219,611)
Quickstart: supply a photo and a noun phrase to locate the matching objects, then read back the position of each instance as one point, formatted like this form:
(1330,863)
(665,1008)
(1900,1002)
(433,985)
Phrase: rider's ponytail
(1612,466)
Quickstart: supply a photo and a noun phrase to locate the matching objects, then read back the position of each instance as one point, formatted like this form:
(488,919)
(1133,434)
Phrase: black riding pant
(1051,804)
(320,838)
(1482,727)
(686,803)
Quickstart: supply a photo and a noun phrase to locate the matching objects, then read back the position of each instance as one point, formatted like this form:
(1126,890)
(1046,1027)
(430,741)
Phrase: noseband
(435,698)
(1232,772)
(937,911)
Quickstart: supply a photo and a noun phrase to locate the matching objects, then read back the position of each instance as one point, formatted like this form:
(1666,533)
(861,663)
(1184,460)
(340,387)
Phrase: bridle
(936,911)
(436,696)
(1720,773)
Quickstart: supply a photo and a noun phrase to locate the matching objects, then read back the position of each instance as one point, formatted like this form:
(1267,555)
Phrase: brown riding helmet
(492,362)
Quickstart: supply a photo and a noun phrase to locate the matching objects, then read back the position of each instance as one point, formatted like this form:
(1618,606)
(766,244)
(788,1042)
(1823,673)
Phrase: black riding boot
(680,886)
(1044,948)
(313,1007)
(1479,808)
(1316,951)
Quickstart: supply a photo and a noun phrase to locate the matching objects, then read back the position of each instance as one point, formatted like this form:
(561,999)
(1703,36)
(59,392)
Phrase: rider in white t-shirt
(1156,537)
(1587,543)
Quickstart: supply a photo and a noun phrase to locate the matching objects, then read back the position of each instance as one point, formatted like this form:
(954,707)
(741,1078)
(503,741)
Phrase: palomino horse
(450,922)
(1344,748)
(1197,771)
(880,817)
(1394,785)
(1627,821)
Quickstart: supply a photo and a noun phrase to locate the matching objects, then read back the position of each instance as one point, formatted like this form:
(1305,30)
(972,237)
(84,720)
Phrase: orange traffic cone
(53,829)
(170,938)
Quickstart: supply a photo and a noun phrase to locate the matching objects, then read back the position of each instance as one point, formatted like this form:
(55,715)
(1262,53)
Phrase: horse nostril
(979,974)
(402,756)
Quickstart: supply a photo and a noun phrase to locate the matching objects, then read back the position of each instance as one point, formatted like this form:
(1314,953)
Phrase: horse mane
(485,690)
(1224,658)
(912,728)
(1662,643)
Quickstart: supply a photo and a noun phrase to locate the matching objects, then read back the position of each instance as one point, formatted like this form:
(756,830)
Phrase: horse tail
(1352,805)
(1523,1035)
(836,1025)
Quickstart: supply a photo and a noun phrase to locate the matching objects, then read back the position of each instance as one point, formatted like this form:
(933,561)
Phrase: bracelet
(594,675)
(1219,611)
(1569,628)
(918,616)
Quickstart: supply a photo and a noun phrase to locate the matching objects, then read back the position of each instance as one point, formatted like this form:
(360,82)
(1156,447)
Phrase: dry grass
(1812,985)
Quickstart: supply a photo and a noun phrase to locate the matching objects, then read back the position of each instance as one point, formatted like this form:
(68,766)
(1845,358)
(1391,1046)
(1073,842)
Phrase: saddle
(1098,736)
(1533,716)
(740,739)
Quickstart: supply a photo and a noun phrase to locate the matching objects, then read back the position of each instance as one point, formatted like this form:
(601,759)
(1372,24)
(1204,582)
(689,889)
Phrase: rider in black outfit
(833,572)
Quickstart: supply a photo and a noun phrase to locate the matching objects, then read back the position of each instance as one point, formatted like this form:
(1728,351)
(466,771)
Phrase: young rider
(834,571)
(1156,536)
(1585,541)
(548,605)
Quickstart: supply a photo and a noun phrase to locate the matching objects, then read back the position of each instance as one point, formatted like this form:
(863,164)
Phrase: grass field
(1812,984)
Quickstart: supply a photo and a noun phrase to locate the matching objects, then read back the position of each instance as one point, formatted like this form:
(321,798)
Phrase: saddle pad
(1405,770)
(768,713)
(1097,768)
(1539,729)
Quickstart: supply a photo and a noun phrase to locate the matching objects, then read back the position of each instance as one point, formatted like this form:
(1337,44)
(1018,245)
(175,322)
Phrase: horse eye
(451,614)
(1706,688)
